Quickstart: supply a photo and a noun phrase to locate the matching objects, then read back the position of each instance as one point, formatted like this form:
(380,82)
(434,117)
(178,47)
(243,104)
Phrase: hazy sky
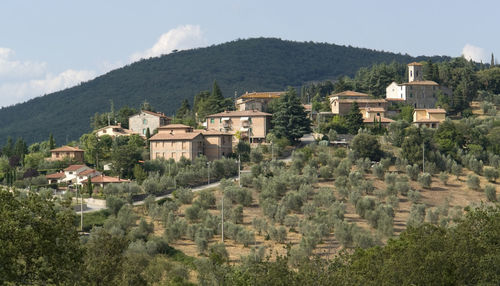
(49,45)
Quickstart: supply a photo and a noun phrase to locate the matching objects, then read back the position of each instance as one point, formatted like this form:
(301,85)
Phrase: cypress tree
(52,142)
(354,119)
(492,64)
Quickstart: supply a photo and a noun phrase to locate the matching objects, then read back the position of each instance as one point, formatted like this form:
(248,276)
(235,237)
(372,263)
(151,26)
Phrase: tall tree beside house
(289,118)
(354,119)
(52,142)
(8,149)
(20,149)
(184,110)
(90,187)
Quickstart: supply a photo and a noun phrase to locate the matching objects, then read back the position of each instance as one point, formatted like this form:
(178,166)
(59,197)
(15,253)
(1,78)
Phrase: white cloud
(180,38)
(19,91)
(15,69)
(477,54)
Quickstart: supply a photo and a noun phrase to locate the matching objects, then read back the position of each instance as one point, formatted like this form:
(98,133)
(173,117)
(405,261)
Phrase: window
(212,121)
(144,131)
(411,94)
(250,119)
(144,121)
(411,73)
(220,120)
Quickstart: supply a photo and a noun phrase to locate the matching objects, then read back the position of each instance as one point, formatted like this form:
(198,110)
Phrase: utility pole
(272,151)
(239,171)
(222,217)
(208,169)
(423,157)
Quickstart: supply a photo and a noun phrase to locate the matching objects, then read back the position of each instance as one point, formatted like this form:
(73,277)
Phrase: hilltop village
(277,180)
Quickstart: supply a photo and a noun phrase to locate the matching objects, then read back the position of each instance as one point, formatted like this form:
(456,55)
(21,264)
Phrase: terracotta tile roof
(177,136)
(107,179)
(430,110)
(72,168)
(382,119)
(349,93)
(307,107)
(425,120)
(174,126)
(214,133)
(67,149)
(395,99)
(421,82)
(158,114)
(414,64)
(371,100)
(58,175)
(269,94)
(239,113)
(115,127)
(87,172)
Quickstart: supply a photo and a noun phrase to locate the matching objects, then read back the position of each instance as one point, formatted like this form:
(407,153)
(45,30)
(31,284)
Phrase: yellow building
(374,114)
(251,125)
(256,100)
(429,117)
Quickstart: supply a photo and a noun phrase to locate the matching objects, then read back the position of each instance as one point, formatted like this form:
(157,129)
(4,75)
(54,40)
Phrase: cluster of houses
(251,122)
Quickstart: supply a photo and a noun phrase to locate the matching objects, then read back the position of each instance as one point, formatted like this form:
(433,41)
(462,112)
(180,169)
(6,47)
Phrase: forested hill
(261,64)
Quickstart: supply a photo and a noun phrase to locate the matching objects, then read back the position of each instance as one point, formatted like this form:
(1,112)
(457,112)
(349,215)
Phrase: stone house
(374,115)
(64,152)
(103,180)
(251,125)
(429,117)
(140,123)
(256,100)
(417,92)
(177,140)
(341,103)
(114,131)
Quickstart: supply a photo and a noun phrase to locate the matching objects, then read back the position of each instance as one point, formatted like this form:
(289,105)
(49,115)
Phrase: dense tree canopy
(289,118)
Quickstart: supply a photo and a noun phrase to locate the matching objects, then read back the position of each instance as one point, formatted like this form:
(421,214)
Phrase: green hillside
(260,64)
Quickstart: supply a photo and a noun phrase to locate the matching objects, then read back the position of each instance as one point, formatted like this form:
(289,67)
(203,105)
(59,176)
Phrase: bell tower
(415,72)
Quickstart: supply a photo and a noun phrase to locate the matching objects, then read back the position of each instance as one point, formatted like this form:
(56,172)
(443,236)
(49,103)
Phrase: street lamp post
(222,217)
(208,169)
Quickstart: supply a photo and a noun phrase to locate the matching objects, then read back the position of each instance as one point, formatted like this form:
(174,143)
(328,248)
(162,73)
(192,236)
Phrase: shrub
(473,182)
(443,177)
(206,199)
(366,146)
(379,171)
(193,212)
(364,164)
(256,155)
(491,174)
(390,178)
(184,195)
(393,201)
(218,253)
(325,172)
(237,214)
(277,234)
(425,180)
(355,178)
(456,169)
(239,195)
(402,187)
(291,221)
(201,243)
(260,225)
(386,163)
(417,215)
(491,193)
(114,204)
(366,187)
(414,196)
(245,237)
(363,205)
(413,171)
(308,210)
(324,197)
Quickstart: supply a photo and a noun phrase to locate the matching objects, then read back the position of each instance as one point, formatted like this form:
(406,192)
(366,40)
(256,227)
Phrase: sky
(51,45)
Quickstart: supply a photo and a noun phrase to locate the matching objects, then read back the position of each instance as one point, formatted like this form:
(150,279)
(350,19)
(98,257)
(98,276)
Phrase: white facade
(395,91)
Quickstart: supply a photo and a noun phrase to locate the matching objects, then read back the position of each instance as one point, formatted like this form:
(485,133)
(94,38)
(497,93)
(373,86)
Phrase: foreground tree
(38,245)
(366,146)
(290,119)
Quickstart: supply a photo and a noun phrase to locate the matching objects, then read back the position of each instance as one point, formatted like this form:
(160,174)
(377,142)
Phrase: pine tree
(184,110)
(354,119)
(52,142)
(290,119)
